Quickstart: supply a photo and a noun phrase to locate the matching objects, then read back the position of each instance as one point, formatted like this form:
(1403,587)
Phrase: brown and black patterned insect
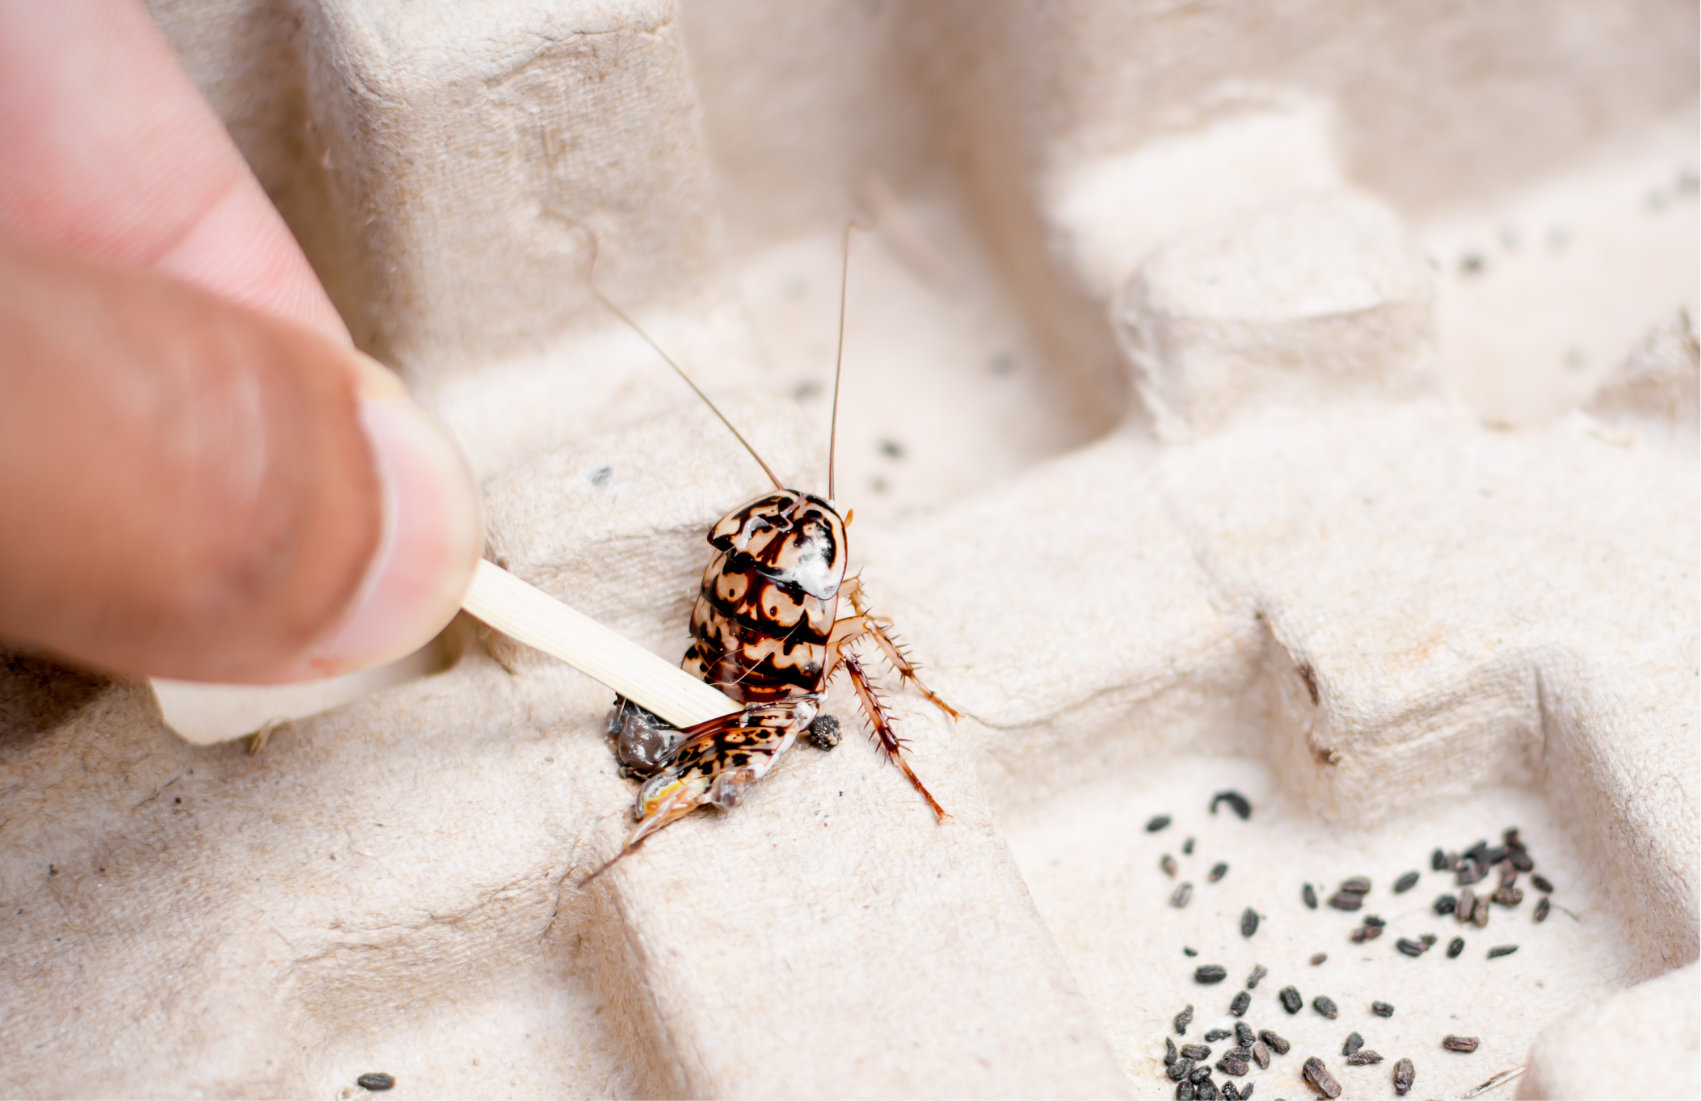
(767,631)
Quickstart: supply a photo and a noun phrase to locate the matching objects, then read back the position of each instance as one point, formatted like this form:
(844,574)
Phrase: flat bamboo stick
(530,615)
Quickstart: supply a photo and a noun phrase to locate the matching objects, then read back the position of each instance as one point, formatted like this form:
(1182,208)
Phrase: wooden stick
(530,615)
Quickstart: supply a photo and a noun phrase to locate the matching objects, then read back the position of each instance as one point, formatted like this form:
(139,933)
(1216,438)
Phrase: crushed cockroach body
(1275,1042)
(1354,1042)
(1365,1058)
(1465,905)
(1291,1001)
(1210,974)
(1454,947)
(1479,912)
(1182,1020)
(1167,864)
(1183,894)
(1308,894)
(1236,801)
(1216,1034)
(766,631)
(1196,1052)
(1319,1078)
(1248,922)
(1256,977)
(1157,822)
(1218,870)
(1462,1044)
(1501,950)
(1404,1075)
(1382,1009)
(1241,1003)
(1326,1006)
(1405,883)
(1318,958)
(1542,908)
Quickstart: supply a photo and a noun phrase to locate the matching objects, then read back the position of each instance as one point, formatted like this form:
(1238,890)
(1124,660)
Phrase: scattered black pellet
(1229,1093)
(1189,952)
(1520,860)
(1372,919)
(1494,856)
(1216,1034)
(1466,905)
(1291,1001)
(1243,1035)
(1183,894)
(1180,1069)
(1365,1058)
(1470,873)
(1210,973)
(1317,958)
(1256,977)
(1275,1042)
(1182,1020)
(1541,883)
(1248,922)
(1184,1092)
(1157,822)
(1410,947)
(1218,870)
(1200,1074)
(1356,885)
(1326,1006)
(1228,1064)
(1444,904)
(1207,1091)
(1236,801)
(1246,1091)
(1508,897)
(1465,1044)
(1479,912)
(1241,1003)
(1382,1009)
(1508,874)
(1346,901)
(1403,1076)
(1475,852)
(1167,864)
(1187,847)
(1170,1055)
(1354,1042)
(1405,883)
(1364,933)
(1196,1052)
(1541,910)
(1309,895)
(376,1081)
(1501,950)
(1454,947)
(1261,1054)
(1428,940)
(1320,1079)
(1438,861)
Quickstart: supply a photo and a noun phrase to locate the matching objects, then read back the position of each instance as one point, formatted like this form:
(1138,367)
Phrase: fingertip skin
(188,488)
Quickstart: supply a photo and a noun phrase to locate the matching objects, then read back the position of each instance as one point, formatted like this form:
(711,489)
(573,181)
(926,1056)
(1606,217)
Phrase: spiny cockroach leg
(888,740)
(879,628)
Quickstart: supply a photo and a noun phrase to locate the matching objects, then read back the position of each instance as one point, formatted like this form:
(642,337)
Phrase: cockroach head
(792,537)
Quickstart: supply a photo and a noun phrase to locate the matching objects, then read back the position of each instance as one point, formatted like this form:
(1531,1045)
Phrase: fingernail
(433,536)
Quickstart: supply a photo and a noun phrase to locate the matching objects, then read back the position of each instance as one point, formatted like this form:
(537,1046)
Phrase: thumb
(193,489)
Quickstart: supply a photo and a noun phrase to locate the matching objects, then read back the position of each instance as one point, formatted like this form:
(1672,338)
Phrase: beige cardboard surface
(1253,521)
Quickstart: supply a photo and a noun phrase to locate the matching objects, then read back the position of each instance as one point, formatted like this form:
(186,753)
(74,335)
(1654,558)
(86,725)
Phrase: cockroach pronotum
(766,631)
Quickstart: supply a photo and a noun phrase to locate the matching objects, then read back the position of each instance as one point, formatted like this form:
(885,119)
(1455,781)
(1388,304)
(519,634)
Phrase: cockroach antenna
(839,364)
(591,281)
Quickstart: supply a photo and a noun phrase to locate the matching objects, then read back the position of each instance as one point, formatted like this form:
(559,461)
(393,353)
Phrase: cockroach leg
(873,707)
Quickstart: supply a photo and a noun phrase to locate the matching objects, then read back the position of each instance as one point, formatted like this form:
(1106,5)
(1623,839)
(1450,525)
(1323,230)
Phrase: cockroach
(765,630)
